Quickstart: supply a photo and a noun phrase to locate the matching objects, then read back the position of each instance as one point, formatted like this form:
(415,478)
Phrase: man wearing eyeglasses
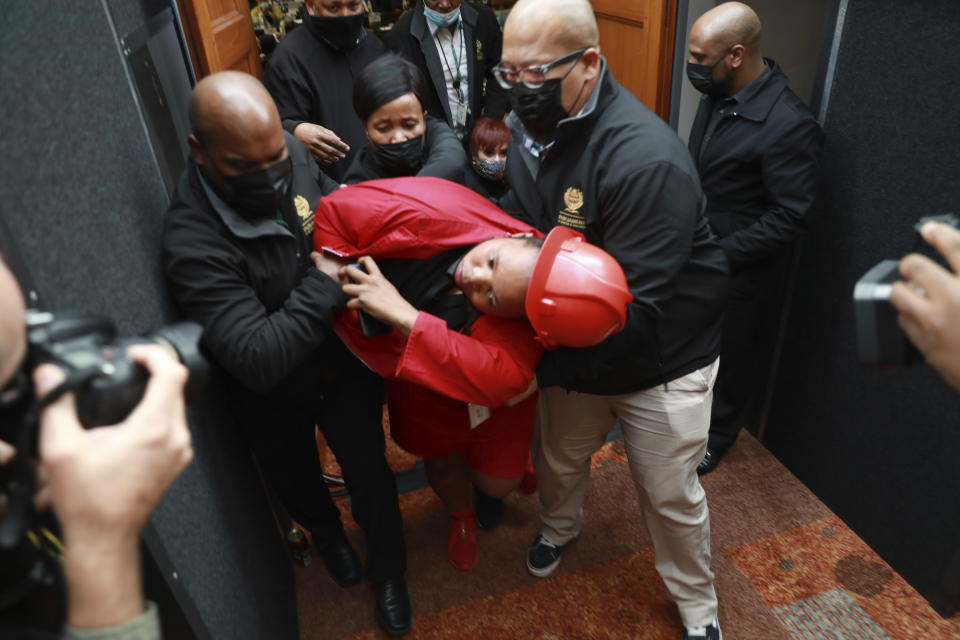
(456,45)
(588,155)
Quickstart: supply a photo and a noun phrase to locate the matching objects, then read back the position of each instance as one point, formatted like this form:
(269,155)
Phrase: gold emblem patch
(305,213)
(573,199)
(479,51)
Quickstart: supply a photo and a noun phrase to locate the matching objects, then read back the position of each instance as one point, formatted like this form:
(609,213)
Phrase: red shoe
(528,483)
(462,549)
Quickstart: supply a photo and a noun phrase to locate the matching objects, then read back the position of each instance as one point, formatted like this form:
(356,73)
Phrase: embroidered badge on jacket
(305,213)
(573,199)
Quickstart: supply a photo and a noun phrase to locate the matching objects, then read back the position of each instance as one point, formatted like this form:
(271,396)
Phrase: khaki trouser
(665,432)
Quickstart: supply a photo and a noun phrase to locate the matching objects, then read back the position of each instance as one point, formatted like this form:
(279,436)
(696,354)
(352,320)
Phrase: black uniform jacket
(758,169)
(443,157)
(410,37)
(312,82)
(264,307)
(623,178)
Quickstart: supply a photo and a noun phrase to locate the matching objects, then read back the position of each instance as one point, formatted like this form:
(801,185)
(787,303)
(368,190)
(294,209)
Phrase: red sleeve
(490,366)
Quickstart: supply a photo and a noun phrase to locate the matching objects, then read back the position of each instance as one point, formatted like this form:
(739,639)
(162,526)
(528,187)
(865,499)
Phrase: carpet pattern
(786,567)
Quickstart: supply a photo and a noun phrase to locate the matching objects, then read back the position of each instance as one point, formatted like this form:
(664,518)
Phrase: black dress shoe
(710,461)
(393,606)
(343,563)
(489,510)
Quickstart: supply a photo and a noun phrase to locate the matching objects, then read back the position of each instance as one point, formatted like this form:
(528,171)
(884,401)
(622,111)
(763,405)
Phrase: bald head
(727,25)
(236,127)
(562,36)
(569,24)
(228,104)
(725,49)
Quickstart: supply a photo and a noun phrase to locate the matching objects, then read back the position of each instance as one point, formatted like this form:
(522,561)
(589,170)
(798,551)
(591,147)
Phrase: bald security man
(587,154)
(757,149)
(237,253)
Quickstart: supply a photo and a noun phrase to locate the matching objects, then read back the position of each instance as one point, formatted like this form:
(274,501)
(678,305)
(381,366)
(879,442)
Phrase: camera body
(880,341)
(108,384)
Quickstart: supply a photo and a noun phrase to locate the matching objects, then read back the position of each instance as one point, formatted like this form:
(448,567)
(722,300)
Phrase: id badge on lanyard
(460,109)
(460,115)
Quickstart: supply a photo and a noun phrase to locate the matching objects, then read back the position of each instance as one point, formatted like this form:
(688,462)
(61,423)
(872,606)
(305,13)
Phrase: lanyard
(456,59)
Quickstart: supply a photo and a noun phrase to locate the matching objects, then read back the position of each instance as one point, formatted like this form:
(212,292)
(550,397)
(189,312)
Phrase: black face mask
(342,32)
(541,109)
(400,158)
(701,77)
(260,193)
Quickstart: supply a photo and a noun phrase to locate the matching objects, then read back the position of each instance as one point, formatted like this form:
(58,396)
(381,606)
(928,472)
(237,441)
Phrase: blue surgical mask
(442,19)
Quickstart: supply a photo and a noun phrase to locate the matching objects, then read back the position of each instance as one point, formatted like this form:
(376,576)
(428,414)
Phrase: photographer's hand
(373,293)
(104,482)
(930,316)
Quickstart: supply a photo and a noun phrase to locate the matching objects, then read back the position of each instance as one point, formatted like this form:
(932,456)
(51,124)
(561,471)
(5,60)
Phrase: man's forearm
(103,581)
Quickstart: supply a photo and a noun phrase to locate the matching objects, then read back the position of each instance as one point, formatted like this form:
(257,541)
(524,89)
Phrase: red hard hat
(578,294)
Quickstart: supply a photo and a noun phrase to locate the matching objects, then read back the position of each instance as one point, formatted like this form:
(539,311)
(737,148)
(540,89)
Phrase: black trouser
(746,346)
(347,408)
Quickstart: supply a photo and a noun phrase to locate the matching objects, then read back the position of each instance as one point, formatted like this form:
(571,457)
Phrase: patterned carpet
(786,568)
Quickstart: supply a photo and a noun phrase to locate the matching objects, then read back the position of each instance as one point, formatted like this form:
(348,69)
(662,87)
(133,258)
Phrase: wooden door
(636,37)
(220,35)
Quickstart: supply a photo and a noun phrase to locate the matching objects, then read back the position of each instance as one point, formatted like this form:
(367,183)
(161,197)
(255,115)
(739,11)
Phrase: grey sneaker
(543,556)
(709,632)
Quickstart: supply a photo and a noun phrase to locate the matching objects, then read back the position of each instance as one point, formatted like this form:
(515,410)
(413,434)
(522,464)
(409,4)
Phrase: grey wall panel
(878,447)
(83,199)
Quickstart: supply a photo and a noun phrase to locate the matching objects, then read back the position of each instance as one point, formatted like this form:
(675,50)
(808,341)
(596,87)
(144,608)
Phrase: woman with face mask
(489,143)
(403,139)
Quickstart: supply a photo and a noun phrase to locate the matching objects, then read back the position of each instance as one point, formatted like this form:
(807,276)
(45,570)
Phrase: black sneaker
(489,510)
(709,632)
(543,556)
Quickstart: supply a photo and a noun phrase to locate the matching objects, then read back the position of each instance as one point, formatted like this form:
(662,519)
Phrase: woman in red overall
(453,281)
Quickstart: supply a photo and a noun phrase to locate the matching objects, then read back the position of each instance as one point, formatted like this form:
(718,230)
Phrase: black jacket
(265,309)
(443,157)
(758,168)
(621,176)
(312,82)
(410,37)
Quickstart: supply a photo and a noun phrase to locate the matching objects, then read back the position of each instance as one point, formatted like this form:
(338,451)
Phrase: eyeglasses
(533,76)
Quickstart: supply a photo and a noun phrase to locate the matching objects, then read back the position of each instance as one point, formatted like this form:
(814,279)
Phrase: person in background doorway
(757,148)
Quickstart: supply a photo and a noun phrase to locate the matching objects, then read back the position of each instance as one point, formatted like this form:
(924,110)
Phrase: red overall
(434,372)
